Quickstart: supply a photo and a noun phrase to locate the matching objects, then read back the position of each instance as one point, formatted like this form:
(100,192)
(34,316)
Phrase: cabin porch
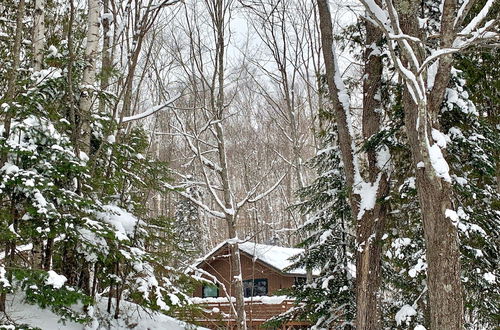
(217,312)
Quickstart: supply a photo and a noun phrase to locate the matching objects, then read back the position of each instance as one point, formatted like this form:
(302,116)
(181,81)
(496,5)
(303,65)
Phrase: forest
(143,139)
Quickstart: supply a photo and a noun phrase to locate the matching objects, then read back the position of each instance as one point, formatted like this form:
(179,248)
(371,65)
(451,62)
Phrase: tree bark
(89,72)
(38,48)
(237,279)
(434,192)
(441,236)
(106,60)
(370,223)
(370,228)
(38,34)
(10,245)
(13,74)
(218,20)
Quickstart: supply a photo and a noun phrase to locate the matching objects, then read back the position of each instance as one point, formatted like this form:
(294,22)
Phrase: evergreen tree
(69,220)
(187,225)
(327,300)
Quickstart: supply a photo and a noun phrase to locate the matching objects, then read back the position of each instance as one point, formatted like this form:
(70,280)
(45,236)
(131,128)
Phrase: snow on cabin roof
(275,256)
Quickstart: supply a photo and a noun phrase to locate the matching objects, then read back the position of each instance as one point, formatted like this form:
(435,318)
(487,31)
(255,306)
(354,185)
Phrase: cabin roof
(275,257)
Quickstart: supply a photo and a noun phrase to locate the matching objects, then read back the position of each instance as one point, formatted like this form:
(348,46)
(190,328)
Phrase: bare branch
(152,110)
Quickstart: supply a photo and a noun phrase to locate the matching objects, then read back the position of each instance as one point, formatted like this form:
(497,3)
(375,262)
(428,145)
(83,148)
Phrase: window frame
(209,286)
(254,282)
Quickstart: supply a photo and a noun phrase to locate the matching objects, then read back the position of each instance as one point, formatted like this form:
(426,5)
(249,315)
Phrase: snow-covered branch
(267,192)
(152,110)
(199,203)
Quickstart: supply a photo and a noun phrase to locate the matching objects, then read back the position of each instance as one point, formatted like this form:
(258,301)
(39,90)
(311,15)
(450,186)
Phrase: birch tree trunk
(38,34)
(38,49)
(89,73)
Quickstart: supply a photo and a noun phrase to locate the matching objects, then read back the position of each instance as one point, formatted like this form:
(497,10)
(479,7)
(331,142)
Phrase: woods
(139,136)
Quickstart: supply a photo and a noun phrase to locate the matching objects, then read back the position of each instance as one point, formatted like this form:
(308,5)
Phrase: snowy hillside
(132,317)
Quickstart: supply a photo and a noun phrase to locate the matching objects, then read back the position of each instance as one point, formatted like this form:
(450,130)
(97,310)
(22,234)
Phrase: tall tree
(426,78)
(89,74)
(365,186)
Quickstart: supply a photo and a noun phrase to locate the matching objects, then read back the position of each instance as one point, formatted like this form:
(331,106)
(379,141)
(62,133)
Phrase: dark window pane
(257,287)
(300,280)
(210,291)
(248,288)
(260,287)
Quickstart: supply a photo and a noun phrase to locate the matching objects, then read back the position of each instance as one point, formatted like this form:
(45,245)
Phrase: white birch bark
(38,35)
(89,73)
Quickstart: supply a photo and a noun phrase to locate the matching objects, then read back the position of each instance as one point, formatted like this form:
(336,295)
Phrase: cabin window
(210,291)
(256,287)
(299,281)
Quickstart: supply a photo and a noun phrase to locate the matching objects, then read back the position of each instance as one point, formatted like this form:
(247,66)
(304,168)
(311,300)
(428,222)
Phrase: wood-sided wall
(220,267)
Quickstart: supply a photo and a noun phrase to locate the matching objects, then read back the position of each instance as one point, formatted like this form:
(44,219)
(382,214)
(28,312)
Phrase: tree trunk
(218,107)
(434,192)
(369,229)
(47,256)
(237,280)
(89,72)
(13,73)
(370,224)
(118,292)
(38,34)
(10,245)
(106,61)
(441,236)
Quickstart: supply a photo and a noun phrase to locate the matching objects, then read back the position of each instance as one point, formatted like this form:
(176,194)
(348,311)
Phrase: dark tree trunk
(434,192)
(441,236)
(118,292)
(370,226)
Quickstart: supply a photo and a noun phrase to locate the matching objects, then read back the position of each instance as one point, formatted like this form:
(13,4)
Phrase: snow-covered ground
(133,317)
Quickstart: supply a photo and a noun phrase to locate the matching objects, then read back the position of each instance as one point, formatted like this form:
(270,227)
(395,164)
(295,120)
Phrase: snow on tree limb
(267,192)
(199,203)
(478,18)
(152,110)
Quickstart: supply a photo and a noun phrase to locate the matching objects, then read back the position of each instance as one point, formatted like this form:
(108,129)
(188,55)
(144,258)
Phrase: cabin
(264,274)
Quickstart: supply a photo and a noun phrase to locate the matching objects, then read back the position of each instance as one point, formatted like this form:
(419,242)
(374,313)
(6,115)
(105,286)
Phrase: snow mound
(404,314)
(123,221)
(133,317)
(55,280)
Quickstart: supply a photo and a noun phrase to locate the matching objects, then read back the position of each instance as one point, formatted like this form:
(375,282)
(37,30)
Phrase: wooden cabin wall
(221,266)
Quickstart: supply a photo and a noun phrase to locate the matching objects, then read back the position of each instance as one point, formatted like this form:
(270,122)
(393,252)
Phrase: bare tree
(201,127)
(288,86)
